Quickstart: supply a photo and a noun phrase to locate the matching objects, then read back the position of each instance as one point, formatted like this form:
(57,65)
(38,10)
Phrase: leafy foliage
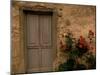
(68,65)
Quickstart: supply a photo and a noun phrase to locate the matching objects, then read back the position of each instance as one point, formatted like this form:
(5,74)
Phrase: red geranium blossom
(82,42)
(91,34)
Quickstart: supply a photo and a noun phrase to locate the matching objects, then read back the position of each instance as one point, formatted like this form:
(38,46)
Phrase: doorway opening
(40,41)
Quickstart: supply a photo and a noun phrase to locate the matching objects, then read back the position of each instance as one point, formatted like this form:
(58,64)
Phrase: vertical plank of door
(45,42)
(33,31)
(33,60)
(45,30)
(47,59)
(33,42)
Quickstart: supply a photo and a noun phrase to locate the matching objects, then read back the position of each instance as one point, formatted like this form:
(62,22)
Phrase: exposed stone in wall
(76,18)
(17,66)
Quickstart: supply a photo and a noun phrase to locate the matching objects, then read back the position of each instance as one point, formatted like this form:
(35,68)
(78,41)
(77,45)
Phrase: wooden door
(40,52)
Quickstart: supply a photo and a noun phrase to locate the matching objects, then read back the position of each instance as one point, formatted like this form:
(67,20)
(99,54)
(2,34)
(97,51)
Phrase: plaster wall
(79,19)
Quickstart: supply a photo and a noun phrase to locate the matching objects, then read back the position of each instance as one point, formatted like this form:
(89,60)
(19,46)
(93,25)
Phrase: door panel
(33,59)
(32,30)
(47,57)
(45,30)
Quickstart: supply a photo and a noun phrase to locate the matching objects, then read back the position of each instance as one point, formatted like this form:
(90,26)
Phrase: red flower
(80,46)
(91,34)
(82,42)
(62,46)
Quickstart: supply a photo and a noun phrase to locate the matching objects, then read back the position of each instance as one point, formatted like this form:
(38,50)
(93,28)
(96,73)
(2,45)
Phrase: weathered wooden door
(40,52)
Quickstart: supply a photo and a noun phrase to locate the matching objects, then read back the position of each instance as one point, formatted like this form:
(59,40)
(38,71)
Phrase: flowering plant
(79,53)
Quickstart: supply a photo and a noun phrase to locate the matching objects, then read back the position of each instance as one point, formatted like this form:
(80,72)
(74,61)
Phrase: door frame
(23,30)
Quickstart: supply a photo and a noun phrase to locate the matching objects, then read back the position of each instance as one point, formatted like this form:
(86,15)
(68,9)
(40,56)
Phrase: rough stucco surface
(78,18)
